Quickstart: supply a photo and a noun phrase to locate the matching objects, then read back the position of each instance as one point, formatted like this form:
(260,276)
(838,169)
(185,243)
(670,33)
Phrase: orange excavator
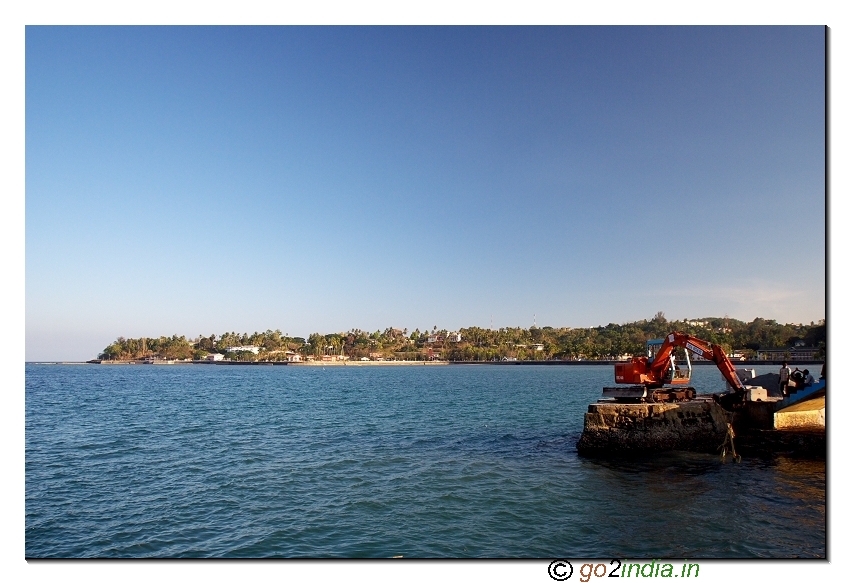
(649,374)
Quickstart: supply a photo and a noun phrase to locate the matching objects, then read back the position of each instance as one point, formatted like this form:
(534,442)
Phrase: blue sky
(200,180)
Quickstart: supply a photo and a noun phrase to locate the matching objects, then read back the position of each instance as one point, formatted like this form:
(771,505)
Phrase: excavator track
(642,394)
(674,395)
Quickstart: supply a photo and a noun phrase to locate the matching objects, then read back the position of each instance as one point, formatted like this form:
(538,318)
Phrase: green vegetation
(470,344)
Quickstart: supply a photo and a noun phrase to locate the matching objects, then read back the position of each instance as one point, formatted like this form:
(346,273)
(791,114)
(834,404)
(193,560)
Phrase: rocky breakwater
(612,427)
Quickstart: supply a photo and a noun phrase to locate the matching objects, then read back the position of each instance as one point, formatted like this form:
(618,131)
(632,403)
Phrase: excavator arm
(706,350)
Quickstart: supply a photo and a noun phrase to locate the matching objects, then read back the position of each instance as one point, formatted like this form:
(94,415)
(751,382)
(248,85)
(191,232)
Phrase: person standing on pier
(784,375)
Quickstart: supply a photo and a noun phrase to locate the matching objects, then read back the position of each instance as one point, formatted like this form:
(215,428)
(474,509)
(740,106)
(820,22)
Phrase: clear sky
(184,180)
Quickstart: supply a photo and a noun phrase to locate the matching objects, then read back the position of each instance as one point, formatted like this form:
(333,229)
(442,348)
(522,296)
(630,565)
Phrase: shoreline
(742,363)
(374,363)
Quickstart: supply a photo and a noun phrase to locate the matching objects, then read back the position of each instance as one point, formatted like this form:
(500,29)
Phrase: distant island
(759,339)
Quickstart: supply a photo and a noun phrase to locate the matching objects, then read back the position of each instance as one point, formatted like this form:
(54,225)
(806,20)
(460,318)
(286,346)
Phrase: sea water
(345,461)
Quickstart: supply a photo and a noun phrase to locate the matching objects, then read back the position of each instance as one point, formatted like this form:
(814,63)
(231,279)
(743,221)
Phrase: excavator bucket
(730,401)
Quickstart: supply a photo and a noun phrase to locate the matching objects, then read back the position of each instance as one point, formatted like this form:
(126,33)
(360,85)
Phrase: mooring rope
(728,444)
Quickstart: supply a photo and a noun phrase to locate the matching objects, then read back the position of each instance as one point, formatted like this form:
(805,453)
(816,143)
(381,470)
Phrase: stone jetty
(611,427)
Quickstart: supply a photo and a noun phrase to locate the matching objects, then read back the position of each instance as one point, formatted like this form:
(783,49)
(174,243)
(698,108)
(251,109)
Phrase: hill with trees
(613,341)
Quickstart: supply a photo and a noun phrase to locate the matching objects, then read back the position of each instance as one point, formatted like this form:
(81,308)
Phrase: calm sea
(452,461)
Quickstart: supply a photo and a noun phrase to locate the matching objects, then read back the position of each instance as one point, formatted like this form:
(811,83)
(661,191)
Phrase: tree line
(470,344)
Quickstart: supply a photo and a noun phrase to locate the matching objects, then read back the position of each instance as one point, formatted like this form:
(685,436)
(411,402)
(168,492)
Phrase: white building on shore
(253,349)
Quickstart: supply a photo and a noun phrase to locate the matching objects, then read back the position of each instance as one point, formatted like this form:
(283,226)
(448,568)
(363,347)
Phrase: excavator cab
(680,369)
(637,371)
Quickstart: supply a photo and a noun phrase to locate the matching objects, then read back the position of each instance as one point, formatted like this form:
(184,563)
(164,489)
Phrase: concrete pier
(761,428)
(810,413)
(612,427)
